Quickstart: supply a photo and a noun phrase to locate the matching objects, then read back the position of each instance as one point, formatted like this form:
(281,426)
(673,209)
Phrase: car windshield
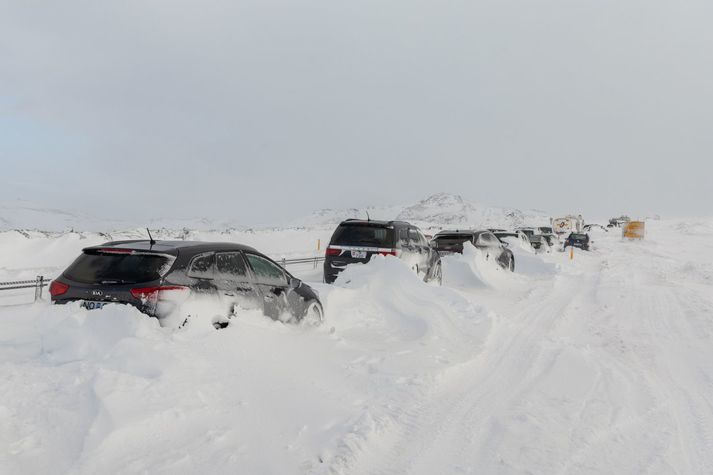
(578,237)
(505,235)
(528,232)
(363,235)
(98,268)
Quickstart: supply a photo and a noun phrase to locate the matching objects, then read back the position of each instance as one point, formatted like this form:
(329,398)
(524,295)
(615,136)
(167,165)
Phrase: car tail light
(389,252)
(58,288)
(152,294)
(333,252)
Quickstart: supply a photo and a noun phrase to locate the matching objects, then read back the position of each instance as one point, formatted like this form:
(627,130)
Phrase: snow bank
(473,270)
(599,364)
(110,390)
(386,298)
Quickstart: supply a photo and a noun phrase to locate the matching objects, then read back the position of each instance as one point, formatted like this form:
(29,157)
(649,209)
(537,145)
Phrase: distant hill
(438,210)
(449,209)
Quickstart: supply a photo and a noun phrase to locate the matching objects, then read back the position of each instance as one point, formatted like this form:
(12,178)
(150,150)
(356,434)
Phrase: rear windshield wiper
(115,281)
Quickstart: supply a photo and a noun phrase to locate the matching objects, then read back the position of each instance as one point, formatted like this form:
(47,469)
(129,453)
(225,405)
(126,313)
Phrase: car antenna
(152,241)
(367,215)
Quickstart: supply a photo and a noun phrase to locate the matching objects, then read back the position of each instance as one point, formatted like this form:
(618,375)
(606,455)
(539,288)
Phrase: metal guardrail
(40,282)
(303,260)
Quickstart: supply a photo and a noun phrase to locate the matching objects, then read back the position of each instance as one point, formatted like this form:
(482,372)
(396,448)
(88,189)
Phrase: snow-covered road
(608,368)
(600,365)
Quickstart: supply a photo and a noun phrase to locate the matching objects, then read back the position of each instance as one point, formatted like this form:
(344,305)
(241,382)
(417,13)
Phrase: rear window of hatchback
(94,267)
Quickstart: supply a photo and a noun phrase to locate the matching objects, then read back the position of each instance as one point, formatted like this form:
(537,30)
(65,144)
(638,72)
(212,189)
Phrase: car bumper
(142,308)
(331,273)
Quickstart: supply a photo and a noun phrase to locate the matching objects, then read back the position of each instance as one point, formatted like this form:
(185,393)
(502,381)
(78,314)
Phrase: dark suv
(154,275)
(356,241)
(580,240)
(449,242)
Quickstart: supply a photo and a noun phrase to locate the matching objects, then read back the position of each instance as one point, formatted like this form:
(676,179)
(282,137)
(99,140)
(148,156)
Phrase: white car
(515,238)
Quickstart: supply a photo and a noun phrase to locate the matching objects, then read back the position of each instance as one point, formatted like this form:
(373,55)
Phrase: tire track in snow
(648,409)
(681,383)
(454,418)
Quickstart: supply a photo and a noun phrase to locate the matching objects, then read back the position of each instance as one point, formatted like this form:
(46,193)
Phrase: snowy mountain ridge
(451,209)
(440,209)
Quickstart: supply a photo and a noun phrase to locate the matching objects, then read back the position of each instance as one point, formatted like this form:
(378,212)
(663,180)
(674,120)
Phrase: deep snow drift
(602,364)
(110,390)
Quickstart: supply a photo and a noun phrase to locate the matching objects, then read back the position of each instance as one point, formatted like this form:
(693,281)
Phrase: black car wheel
(437,274)
(314,314)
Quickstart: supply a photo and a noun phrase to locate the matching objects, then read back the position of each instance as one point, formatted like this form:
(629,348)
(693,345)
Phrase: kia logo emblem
(97,292)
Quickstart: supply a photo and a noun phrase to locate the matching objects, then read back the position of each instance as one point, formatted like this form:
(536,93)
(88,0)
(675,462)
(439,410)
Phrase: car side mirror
(294,282)
(432,244)
(506,244)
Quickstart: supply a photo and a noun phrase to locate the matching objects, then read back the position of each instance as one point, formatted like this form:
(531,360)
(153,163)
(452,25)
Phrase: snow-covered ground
(602,364)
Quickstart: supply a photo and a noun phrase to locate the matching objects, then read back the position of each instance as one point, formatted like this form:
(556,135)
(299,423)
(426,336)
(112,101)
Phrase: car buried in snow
(156,276)
(594,227)
(618,222)
(357,241)
(550,239)
(449,242)
(514,238)
(536,240)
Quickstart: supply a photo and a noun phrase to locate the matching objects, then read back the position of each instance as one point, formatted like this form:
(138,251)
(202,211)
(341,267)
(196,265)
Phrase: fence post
(38,287)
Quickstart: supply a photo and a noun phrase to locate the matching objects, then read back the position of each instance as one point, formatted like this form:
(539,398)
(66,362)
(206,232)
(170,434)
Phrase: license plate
(93,305)
(359,254)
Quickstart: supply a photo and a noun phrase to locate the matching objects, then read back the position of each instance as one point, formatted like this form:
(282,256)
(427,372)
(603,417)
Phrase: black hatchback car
(150,274)
(580,240)
(449,242)
(357,241)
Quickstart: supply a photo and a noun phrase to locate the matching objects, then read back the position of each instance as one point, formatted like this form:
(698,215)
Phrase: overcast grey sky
(266,109)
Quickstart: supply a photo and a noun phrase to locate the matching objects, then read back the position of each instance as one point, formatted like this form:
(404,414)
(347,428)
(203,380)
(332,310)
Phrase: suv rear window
(363,235)
(452,242)
(97,268)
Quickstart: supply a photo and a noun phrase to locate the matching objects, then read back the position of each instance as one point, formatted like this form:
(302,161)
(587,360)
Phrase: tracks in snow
(454,429)
(607,370)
